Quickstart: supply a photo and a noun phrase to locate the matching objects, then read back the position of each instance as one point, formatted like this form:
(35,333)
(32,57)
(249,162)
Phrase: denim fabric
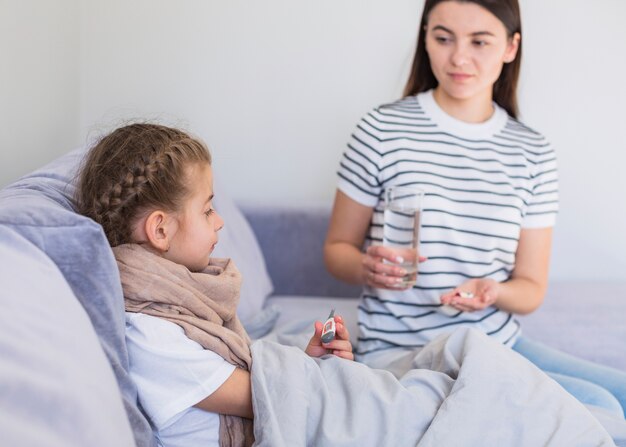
(589,382)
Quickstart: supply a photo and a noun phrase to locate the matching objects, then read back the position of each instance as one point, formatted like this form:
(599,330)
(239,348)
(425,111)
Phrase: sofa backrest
(39,208)
(57,386)
(292,241)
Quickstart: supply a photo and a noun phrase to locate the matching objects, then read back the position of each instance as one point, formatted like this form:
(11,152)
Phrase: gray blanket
(471,391)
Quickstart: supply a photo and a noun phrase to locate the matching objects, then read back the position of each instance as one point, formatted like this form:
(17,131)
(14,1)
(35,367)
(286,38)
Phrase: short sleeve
(359,168)
(543,205)
(171,371)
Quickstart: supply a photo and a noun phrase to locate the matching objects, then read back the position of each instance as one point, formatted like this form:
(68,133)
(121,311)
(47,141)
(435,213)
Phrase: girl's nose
(219,222)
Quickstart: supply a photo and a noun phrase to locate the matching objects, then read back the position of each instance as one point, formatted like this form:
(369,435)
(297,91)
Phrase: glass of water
(403,208)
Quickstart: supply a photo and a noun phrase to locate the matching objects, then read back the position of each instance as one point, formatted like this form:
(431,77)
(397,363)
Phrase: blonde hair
(133,170)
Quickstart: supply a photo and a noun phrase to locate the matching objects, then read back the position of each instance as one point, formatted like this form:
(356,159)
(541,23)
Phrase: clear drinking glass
(403,207)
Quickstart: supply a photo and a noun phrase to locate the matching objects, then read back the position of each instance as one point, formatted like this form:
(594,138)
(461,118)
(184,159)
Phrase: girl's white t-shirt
(172,374)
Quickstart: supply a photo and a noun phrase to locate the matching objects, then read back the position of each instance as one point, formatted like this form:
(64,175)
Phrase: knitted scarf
(204,304)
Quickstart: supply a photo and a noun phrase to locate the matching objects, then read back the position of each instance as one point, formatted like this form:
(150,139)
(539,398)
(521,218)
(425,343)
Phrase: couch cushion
(57,386)
(284,230)
(38,207)
(583,318)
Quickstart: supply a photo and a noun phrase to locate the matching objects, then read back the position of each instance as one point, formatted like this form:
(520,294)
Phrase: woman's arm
(344,259)
(524,292)
(348,226)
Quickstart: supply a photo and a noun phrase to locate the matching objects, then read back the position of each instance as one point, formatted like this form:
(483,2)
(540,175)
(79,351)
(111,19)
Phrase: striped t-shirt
(483,182)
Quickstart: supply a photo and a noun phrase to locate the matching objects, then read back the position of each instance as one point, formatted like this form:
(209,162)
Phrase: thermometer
(328,331)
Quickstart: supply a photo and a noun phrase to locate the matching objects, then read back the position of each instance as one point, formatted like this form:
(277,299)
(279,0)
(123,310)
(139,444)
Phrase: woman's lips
(459,77)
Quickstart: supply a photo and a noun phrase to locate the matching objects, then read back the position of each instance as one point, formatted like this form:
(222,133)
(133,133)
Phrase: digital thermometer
(328,331)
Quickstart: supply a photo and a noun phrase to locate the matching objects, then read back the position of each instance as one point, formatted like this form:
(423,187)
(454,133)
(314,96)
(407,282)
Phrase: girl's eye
(442,39)
(480,43)
(209,212)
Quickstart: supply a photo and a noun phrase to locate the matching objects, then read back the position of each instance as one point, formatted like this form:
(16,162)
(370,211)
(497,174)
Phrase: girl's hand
(384,275)
(340,346)
(485,293)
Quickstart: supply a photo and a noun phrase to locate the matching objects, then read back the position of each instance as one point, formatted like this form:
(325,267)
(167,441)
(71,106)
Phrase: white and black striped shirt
(484,183)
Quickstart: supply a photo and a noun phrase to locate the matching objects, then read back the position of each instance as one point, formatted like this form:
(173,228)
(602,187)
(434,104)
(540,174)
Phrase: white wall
(574,90)
(276,86)
(39,78)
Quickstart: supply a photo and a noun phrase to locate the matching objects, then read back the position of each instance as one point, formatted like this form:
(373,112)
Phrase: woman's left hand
(484,293)
(340,346)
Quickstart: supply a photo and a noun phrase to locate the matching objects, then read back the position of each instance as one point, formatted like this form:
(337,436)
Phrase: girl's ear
(158,230)
(512,47)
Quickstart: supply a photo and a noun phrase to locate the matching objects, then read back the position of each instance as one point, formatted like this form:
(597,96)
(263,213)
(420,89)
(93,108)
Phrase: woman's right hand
(384,275)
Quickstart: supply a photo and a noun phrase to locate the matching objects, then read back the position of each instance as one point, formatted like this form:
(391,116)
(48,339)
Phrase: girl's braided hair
(134,170)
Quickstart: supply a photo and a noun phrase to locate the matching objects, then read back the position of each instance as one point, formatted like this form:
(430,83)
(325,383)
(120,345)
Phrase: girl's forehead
(201,180)
(199,172)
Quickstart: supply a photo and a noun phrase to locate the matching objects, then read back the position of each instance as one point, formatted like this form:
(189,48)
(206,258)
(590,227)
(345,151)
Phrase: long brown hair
(422,78)
(135,169)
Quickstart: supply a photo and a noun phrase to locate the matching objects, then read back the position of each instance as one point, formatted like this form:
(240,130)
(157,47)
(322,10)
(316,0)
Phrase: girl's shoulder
(150,330)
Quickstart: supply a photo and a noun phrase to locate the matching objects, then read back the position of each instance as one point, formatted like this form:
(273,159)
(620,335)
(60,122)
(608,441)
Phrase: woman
(491,201)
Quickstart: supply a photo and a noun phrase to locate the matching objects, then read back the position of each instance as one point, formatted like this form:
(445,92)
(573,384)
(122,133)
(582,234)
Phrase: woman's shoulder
(406,103)
(516,134)
(402,112)
(404,107)
(519,130)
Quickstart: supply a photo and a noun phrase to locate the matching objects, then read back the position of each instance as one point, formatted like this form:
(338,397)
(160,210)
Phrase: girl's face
(467,46)
(197,224)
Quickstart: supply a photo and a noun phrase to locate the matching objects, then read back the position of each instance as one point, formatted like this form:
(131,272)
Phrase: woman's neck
(477,109)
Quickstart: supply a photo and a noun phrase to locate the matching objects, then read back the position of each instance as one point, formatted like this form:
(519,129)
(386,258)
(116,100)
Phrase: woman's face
(467,46)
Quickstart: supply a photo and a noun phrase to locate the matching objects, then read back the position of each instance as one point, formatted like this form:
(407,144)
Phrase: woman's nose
(460,55)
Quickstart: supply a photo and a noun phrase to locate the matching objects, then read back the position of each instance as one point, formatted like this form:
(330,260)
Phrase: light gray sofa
(63,373)
(584,318)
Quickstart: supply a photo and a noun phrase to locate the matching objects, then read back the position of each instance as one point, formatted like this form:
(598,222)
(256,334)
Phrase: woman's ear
(158,230)
(512,47)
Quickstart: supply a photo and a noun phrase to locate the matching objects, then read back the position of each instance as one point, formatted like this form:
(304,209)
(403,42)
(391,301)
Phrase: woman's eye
(209,212)
(480,43)
(442,39)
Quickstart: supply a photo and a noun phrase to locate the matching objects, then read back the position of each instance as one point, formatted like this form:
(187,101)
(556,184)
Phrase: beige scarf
(204,304)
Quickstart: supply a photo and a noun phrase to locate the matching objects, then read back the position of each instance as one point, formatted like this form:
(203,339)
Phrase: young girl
(151,189)
(491,201)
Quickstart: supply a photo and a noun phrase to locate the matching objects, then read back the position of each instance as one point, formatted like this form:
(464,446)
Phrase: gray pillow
(39,208)
(57,387)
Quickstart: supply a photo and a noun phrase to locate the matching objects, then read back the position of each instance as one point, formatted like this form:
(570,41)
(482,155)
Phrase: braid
(112,208)
(134,170)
